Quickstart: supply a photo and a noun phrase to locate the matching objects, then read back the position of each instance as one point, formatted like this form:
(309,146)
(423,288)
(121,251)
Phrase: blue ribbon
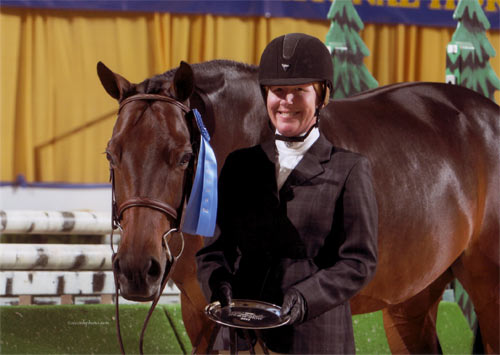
(201,212)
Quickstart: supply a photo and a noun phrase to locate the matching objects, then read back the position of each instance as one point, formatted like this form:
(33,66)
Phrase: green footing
(90,329)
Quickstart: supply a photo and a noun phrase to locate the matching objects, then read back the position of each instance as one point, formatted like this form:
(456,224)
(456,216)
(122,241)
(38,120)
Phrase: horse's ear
(115,84)
(183,82)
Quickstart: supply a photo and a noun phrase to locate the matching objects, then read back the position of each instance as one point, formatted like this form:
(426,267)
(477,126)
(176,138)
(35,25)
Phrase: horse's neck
(239,112)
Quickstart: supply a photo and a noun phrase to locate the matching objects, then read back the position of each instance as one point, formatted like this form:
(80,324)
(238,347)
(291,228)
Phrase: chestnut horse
(435,152)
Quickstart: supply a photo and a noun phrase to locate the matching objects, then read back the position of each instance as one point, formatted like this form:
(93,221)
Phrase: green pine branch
(348,51)
(343,11)
(472,62)
(470,12)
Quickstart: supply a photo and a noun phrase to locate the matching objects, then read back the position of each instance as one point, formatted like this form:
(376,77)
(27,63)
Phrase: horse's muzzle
(138,282)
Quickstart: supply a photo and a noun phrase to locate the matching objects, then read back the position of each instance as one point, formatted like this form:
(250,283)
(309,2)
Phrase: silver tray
(246,314)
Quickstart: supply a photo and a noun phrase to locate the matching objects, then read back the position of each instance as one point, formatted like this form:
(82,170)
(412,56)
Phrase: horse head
(150,154)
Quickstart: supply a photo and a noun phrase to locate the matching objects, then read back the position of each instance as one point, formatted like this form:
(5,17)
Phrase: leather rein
(146,202)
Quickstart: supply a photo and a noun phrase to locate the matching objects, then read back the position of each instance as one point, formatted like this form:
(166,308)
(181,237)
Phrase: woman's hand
(294,305)
(223,294)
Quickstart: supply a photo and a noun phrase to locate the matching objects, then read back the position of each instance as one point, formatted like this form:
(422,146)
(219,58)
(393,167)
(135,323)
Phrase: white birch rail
(56,283)
(55,257)
(54,222)
(59,283)
(65,270)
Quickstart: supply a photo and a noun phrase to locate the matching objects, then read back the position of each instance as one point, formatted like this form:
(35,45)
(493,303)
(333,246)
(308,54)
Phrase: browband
(154,97)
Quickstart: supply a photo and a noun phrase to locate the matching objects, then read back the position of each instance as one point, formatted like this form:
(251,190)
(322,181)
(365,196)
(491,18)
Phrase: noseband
(151,203)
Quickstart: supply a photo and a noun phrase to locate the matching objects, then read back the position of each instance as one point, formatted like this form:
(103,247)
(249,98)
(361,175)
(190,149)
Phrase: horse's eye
(109,157)
(185,159)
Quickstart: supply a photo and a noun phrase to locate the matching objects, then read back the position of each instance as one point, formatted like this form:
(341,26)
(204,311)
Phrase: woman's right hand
(223,294)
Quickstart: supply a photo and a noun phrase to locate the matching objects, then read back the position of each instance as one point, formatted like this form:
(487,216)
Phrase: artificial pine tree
(350,75)
(469,52)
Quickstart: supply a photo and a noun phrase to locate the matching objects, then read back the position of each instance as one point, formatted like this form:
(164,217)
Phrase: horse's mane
(155,84)
(227,65)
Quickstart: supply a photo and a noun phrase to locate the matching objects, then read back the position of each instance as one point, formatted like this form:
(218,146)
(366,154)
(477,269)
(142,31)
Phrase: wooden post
(66,299)
(106,299)
(25,300)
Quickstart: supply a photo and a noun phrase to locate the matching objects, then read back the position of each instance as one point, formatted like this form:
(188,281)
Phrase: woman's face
(292,108)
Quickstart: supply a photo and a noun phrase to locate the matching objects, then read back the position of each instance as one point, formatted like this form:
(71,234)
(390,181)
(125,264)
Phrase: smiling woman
(312,272)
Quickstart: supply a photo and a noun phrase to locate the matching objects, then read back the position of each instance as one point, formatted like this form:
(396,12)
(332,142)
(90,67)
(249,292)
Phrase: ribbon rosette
(201,211)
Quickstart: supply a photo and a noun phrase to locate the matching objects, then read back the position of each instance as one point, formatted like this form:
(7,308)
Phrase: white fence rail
(55,257)
(56,283)
(54,222)
(63,271)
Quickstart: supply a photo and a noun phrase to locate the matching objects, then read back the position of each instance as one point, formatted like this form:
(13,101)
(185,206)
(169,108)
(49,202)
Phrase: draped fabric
(56,118)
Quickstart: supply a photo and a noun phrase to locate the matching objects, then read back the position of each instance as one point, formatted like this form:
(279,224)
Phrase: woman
(297,218)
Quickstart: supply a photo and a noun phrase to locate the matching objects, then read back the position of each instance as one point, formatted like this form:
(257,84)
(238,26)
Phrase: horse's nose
(154,270)
(150,270)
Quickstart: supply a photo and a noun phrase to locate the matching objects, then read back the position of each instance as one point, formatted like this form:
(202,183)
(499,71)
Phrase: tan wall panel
(56,118)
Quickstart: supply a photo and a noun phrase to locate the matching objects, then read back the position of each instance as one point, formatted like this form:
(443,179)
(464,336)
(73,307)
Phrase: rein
(146,202)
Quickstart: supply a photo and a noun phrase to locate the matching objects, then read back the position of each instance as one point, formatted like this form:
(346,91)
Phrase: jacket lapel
(310,165)
(269,148)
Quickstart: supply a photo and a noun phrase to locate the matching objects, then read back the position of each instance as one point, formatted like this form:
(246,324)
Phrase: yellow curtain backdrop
(56,118)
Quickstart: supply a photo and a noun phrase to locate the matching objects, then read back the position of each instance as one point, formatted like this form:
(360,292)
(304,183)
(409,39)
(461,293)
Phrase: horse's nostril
(154,269)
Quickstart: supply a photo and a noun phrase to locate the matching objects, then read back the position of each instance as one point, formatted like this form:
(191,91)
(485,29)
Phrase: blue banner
(416,12)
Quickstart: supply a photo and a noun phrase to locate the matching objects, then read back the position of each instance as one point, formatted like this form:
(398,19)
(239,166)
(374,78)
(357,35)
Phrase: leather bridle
(151,203)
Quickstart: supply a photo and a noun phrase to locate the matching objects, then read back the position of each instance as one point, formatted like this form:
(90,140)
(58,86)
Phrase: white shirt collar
(297,148)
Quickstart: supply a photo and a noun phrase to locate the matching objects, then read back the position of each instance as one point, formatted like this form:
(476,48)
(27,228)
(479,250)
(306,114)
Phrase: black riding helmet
(295,59)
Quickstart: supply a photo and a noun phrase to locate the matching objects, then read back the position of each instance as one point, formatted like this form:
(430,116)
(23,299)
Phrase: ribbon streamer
(201,211)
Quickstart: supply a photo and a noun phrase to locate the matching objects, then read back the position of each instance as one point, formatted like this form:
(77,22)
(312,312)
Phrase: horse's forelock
(158,84)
